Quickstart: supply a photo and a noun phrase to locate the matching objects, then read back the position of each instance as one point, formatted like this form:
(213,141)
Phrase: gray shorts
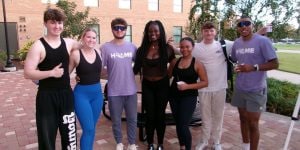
(252,101)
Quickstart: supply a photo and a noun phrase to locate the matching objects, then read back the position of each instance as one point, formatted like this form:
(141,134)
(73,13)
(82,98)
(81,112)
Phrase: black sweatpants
(155,99)
(55,110)
(182,110)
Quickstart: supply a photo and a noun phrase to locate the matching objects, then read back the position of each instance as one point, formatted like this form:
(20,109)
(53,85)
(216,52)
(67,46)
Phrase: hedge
(282,96)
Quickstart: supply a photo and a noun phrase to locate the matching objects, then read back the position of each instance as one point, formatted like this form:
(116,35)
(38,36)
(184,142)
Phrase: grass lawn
(287,46)
(289,62)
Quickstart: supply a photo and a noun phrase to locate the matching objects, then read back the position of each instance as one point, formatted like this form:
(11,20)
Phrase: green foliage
(76,21)
(21,53)
(230,34)
(282,96)
(281,10)
(3,57)
(209,12)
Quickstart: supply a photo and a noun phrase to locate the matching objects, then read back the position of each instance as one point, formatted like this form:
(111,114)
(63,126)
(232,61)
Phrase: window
(125,4)
(128,36)
(177,5)
(97,28)
(153,5)
(91,3)
(177,33)
(45,31)
(50,1)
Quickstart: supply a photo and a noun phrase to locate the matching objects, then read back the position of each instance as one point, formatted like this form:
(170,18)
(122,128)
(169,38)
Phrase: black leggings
(55,110)
(182,110)
(155,99)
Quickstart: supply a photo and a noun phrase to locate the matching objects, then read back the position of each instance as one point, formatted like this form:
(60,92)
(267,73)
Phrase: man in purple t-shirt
(254,55)
(118,56)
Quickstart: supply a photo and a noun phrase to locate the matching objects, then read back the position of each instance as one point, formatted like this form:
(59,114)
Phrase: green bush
(24,50)
(2,57)
(282,96)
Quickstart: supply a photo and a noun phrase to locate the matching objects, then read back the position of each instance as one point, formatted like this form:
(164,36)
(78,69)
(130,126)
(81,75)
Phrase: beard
(119,37)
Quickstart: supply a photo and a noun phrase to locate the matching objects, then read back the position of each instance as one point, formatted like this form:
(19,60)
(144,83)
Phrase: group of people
(200,72)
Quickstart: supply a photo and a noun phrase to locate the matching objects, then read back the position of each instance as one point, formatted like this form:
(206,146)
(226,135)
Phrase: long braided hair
(146,43)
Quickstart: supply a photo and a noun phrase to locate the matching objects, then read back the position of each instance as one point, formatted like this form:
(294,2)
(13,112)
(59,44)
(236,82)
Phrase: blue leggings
(88,105)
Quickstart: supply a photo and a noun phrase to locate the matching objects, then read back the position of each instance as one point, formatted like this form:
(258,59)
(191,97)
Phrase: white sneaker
(201,145)
(217,147)
(246,146)
(131,147)
(120,146)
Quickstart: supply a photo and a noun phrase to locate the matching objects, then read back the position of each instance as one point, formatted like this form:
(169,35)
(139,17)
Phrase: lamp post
(9,65)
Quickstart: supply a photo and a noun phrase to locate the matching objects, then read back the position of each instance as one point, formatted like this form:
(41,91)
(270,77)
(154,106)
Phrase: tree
(298,20)
(281,11)
(208,12)
(76,21)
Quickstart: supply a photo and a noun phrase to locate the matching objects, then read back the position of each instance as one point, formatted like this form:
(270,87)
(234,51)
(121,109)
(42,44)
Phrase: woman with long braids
(151,61)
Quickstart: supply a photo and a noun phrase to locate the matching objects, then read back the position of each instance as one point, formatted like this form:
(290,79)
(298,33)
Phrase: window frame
(176,6)
(97,5)
(177,37)
(97,28)
(124,1)
(153,2)
(128,34)
(49,1)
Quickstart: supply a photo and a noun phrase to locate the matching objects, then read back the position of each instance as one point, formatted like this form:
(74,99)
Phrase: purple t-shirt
(118,59)
(257,50)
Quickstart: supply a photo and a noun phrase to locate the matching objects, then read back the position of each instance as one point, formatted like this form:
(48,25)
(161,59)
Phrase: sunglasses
(244,23)
(117,28)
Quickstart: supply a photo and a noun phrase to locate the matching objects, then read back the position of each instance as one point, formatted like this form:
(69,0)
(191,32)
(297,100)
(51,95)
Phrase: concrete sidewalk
(284,76)
(288,51)
(18,129)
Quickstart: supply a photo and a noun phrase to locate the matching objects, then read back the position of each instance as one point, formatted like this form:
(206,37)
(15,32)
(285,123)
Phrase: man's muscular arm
(34,56)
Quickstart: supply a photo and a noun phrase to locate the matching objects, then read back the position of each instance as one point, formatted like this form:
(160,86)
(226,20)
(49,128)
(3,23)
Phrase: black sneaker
(150,147)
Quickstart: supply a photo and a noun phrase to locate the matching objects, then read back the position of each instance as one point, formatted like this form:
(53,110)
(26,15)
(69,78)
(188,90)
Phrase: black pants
(55,110)
(182,110)
(155,99)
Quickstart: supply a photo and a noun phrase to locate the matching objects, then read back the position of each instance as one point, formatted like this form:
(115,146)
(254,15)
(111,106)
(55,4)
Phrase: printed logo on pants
(70,120)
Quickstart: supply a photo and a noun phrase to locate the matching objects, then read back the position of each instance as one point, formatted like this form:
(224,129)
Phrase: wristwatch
(256,67)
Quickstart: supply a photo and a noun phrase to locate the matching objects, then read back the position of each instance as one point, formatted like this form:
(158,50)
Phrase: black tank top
(188,75)
(87,72)
(55,56)
(152,67)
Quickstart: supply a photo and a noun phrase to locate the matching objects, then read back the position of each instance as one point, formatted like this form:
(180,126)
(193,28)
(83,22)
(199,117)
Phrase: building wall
(137,16)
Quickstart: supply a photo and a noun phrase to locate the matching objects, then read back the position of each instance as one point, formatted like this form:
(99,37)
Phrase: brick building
(25,17)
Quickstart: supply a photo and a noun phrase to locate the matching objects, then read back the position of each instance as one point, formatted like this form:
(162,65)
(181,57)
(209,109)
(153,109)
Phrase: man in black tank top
(48,61)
